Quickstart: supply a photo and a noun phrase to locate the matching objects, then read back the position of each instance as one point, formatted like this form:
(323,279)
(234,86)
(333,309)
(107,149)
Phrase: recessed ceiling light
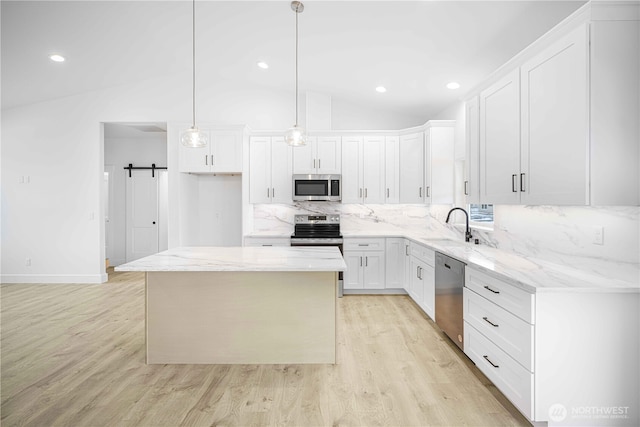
(56,58)
(381,89)
(263,65)
(453,85)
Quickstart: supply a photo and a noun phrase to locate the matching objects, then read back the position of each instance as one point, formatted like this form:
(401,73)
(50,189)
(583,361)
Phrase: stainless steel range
(318,230)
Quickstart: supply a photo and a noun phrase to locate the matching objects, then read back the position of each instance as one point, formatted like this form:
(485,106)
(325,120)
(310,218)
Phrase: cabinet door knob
(466,188)
(513,183)
(522,182)
(206,160)
(387,193)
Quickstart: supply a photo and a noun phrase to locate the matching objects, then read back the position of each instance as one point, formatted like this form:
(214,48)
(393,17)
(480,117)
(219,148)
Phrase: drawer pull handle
(363,244)
(490,322)
(448,266)
(492,364)
(491,290)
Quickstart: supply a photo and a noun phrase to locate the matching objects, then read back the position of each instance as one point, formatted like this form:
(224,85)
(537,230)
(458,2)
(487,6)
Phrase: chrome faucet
(467,234)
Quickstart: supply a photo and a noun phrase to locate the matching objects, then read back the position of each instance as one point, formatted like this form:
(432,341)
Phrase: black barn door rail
(153,168)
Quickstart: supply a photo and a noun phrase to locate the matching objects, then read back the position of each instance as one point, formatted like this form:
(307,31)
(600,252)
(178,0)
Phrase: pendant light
(192,137)
(296,136)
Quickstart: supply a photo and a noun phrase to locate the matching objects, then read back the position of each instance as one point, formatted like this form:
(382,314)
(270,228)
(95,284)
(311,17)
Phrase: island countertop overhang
(241,259)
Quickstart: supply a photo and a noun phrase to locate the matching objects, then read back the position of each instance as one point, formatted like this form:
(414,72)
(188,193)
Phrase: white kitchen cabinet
(267,241)
(365,259)
(561,127)
(614,110)
(321,155)
(500,141)
(422,283)
(392,169)
(270,170)
(555,122)
(536,347)
(363,169)
(223,154)
(412,166)
(395,263)
(407,265)
(472,159)
(439,176)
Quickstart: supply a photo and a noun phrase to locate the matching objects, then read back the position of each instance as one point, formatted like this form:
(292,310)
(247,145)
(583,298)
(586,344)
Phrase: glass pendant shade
(193,138)
(295,136)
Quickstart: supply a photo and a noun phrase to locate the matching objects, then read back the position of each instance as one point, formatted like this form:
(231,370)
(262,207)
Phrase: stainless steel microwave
(317,188)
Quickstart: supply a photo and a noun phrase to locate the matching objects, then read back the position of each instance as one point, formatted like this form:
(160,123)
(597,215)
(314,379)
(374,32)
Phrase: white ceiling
(347,48)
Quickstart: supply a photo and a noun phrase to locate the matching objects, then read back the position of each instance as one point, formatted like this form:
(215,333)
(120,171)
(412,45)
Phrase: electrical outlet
(28,262)
(598,235)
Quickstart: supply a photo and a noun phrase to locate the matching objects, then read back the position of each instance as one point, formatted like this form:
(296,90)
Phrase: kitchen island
(241,305)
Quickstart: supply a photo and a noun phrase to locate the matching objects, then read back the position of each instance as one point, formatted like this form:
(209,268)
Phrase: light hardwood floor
(73,355)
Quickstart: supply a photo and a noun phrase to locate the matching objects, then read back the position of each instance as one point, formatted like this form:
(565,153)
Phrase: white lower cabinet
(365,259)
(562,350)
(499,334)
(395,259)
(267,241)
(422,278)
(515,382)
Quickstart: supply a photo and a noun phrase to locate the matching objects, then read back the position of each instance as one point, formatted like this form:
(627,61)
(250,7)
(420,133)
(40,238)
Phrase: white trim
(54,278)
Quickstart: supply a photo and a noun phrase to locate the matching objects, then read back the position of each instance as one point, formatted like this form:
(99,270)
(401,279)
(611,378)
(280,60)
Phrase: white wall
(56,219)
(119,152)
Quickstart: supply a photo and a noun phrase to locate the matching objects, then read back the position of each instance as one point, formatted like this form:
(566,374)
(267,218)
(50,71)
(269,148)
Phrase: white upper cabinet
(472,140)
(555,123)
(223,154)
(500,141)
(561,128)
(412,166)
(352,169)
(373,149)
(392,169)
(321,155)
(439,162)
(363,169)
(270,165)
(615,109)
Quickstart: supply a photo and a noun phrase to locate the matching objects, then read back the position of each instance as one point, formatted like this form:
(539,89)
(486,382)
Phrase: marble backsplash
(562,235)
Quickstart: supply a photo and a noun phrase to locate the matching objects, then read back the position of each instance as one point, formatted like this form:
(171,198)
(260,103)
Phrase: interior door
(142,215)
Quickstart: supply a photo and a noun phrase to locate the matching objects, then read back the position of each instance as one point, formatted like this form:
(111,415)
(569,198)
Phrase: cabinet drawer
(423,253)
(512,334)
(364,244)
(514,381)
(514,300)
(267,241)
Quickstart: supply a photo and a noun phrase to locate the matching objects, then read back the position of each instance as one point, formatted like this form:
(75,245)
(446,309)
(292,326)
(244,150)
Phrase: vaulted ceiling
(347,48)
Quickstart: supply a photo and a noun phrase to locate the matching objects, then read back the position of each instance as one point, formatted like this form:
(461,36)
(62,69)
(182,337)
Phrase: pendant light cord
(297,65)
(193,40)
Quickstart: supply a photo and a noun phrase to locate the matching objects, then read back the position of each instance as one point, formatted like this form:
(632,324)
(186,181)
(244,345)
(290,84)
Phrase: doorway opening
(135,201)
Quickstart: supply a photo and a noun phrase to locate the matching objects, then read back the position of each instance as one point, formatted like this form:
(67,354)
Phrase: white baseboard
(374,292)
(54,278)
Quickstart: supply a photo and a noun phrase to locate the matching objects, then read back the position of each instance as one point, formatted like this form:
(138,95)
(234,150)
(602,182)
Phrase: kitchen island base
(231,317)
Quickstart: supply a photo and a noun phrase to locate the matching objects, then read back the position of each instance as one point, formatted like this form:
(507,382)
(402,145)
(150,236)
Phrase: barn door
(142,214)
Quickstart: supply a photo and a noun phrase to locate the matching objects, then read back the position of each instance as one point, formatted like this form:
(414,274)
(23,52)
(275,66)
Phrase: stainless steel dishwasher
(449,284)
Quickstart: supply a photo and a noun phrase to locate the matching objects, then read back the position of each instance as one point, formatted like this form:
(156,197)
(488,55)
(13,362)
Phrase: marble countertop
(530,274)
(241,259)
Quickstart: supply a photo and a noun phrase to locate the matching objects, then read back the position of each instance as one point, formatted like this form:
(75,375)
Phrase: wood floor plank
(74,355)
